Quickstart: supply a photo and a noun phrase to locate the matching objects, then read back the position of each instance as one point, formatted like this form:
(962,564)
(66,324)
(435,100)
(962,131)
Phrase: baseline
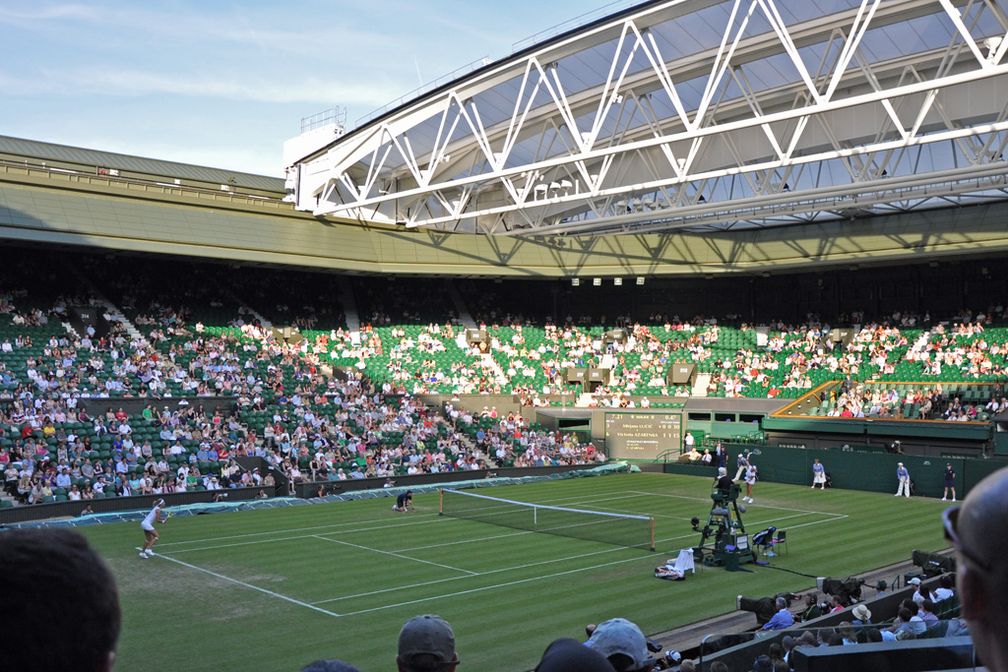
(250,586)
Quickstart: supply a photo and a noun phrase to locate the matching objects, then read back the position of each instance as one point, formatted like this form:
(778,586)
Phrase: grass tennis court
(275,589)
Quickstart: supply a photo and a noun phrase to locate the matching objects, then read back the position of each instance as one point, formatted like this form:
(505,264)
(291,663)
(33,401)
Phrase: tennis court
(338,580)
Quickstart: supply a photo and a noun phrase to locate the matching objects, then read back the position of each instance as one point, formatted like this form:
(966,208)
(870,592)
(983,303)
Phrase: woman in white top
(750,481)
(150,534)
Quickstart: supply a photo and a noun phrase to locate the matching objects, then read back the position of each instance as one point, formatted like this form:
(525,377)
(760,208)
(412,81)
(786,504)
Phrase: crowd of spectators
(530,358)
(307,423)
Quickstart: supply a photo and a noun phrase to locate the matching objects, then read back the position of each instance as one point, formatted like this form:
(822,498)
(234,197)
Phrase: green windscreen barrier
(856,470)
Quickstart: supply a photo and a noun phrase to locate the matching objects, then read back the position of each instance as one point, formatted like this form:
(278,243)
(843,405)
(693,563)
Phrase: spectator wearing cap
(783,619)
(762,664)
(622,643)
(427,644)
(569,655)
(920,593)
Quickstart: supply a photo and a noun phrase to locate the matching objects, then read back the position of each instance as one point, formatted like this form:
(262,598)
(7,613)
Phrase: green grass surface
(353,572)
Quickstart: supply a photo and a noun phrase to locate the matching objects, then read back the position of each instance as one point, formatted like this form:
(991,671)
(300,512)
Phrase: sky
(223,84)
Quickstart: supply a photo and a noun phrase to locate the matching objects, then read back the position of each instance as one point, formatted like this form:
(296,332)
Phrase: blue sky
(225,83)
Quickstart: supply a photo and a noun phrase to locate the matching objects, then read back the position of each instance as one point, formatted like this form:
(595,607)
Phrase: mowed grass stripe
(174,615)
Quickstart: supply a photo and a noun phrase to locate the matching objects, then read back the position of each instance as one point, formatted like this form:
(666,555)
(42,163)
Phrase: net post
(651,525)
(440,501)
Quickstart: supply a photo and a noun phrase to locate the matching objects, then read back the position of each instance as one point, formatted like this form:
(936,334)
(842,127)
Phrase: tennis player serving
(150,534)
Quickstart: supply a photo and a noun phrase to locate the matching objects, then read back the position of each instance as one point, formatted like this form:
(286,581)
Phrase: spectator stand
(738,650)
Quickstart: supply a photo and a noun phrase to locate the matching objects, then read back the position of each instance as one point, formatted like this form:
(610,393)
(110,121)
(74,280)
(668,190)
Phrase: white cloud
(69,12)
(225,86)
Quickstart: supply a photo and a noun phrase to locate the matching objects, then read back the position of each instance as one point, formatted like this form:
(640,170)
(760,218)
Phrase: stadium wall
(852,470)
(19,514)
(308,489)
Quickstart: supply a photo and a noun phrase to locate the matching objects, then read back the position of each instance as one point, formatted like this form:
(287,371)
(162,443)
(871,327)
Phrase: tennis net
(620,529)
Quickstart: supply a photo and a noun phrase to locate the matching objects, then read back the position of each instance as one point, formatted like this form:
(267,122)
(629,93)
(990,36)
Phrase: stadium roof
(695,115)
(92,159)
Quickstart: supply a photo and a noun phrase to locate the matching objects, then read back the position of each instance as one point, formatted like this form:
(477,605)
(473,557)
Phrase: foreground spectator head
(623,643)
(329,666)
(976,531)
(426,644)
(63,599)
(570,655)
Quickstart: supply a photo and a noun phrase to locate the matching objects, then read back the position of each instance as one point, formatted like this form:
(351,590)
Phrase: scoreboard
(642,435)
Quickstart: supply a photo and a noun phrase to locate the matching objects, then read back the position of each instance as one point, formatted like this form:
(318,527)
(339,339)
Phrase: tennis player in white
(150,534)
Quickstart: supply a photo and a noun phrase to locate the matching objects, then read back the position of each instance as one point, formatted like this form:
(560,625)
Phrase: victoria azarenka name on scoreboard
(642,435)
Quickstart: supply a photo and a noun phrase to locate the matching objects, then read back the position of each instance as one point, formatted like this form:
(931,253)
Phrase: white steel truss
(785,113)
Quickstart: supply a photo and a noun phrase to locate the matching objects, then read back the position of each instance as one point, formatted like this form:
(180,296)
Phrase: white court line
(701,499)
(355,522)
(836,516)
(530,579)
(497,585)
(433,520)
(316,608)
(463,541)
(416,548)
(499,570)
(291,529)
(248,585)
(395,555)
(300,536)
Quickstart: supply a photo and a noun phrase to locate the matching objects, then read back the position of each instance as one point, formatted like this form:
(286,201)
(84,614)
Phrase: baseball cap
(673,656)
(861,612)
(427,635)
(620,636)
(763,664)
(915,581)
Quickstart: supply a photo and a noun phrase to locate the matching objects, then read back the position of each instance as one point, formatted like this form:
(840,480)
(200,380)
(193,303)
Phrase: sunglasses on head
(950,521)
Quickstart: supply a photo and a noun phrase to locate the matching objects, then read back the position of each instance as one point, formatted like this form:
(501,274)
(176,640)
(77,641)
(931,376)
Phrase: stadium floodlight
(575,282)
(619,529)
(596,282)
(618,282)
(640,280)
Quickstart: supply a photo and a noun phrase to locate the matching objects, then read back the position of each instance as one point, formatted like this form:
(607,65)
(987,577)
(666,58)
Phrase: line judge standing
(903,477)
